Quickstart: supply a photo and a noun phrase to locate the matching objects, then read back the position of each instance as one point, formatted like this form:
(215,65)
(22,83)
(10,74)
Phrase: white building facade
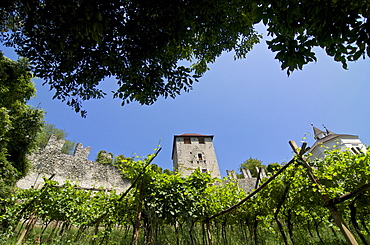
(328,140)
(194,151)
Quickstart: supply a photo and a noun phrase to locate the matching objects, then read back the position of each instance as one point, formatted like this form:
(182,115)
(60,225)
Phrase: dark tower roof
(328,132)
(193,134)
(318,134)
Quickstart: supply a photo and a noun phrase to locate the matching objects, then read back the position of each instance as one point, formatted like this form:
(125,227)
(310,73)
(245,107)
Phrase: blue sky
(250,106)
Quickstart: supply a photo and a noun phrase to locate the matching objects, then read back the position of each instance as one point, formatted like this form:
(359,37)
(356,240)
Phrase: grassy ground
(169,235)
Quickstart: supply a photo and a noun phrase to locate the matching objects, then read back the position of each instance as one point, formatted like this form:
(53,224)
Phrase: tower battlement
(55,145)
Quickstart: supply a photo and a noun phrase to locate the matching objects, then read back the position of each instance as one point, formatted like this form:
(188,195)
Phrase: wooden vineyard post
(30,223)
(334,212)
(33,218)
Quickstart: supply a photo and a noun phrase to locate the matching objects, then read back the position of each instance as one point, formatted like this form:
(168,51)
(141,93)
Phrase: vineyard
(320,202)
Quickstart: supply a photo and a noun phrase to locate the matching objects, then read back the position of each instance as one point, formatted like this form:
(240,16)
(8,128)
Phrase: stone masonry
(79,170)
(194,151)
(75,168)
(247,183)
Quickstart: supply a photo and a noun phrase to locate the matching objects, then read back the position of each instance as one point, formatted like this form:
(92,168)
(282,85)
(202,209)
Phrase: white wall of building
(342,142)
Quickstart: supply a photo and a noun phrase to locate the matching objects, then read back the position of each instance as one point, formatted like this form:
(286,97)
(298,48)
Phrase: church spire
(327,130)
(318,134)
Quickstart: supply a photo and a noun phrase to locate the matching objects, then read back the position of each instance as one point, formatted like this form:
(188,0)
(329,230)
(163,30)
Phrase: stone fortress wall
(248,183)
(75,168)
(79,170)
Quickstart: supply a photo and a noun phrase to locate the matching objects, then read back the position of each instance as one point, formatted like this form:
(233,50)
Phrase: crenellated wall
(78,169)
(247,183)
(75,168)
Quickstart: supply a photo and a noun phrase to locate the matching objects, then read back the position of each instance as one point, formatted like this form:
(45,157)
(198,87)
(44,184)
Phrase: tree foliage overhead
(297,26)
(74,45)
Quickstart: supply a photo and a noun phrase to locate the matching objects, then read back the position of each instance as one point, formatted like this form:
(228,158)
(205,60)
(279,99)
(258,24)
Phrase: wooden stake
(31,222)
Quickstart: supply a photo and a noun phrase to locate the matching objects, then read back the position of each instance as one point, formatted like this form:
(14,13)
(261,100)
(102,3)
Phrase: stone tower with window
(193,151)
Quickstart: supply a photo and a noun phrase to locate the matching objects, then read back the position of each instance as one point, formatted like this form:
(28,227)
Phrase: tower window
(201,140)
(200,157)
(187,140)
(204,171)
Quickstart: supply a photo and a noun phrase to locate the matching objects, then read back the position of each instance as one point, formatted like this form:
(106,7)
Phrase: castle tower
(329,140)
(193,151)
